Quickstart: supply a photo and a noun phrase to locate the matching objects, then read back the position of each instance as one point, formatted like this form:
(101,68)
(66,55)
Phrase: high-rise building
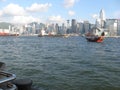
(73,26)
(81,28)
(100,22)
(86,26)
(68,27)
(118,29)
(112,26)
(33,28)
(102,18)
(63,29)
(102,15)
(57,28)
(78,28)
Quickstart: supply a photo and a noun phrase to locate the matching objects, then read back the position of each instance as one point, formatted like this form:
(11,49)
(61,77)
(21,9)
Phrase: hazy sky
(24,11)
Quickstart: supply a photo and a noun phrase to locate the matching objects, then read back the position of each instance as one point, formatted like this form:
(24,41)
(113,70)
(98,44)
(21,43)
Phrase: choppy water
(63,63)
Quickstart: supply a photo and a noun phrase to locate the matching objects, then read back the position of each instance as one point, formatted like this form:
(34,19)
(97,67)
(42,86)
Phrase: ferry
(6,32)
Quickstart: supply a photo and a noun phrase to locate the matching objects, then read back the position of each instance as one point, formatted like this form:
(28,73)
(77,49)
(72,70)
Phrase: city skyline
(56,11)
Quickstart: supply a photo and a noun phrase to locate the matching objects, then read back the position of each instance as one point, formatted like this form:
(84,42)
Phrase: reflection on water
(63,63)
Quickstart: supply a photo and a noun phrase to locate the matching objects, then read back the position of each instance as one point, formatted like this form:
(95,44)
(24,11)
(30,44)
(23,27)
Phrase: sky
(56,11)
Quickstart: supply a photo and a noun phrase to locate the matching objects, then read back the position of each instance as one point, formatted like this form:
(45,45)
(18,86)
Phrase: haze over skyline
(56,11)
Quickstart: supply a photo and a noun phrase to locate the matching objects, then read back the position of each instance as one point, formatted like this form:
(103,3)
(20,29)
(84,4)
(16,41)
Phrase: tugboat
(96,35)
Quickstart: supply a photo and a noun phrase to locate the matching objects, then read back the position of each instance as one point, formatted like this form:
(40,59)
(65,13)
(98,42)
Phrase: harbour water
(57,63)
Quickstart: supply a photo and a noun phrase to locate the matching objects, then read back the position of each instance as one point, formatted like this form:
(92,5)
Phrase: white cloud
(19,14)
(69,3)
(24,19)
(71,13)
(13,10)
(95,16)
(16,14)
(56,19)
(39,7)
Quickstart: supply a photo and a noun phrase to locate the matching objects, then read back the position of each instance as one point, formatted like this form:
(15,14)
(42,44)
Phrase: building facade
(74,26)
(118,27)
(112,27)
(86,27)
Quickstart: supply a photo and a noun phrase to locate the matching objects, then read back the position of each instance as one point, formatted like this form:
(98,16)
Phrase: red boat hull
(4,34)
(95,39)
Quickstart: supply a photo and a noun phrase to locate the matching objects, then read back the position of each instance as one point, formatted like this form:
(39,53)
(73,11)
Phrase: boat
(6,32)
(42,33)
(95,38)
(96,35)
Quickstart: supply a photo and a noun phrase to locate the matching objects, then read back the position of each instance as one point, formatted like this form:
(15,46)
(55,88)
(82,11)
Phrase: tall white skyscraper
(102,15)
(100,22)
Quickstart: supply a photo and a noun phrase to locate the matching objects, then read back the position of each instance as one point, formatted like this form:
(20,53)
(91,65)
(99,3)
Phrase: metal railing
(6,77)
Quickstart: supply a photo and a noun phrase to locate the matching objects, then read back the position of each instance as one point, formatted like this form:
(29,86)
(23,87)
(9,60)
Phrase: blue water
(56,63)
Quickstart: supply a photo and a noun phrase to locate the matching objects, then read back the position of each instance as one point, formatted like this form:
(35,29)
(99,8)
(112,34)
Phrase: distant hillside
(4,25)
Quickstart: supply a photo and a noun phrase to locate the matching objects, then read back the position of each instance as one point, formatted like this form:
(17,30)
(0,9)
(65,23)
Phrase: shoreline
(112,36)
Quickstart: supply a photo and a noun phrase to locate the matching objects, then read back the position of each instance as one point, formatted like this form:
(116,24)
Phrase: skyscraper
(102,15)
(112,26)
(100,22)
(102,18)
(68,27)
(118,27)
(74,26)
(86,26)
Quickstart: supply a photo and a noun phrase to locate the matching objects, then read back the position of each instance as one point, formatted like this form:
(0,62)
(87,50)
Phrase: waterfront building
(81,28)
(37,28)
(22,28)
(73,26)
(60,30)
(33,29)
(92,25)
(112,26)
(86,26)
(51,29)
(118,29)
(54,32)
(78,28)
(19,29)
(28,30)
(63,29)
(57,28)
(100,22)
(102,15)
(102,18)
(68,27)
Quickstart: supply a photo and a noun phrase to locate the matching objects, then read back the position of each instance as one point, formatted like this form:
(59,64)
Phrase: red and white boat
(96,35)
(4,32)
